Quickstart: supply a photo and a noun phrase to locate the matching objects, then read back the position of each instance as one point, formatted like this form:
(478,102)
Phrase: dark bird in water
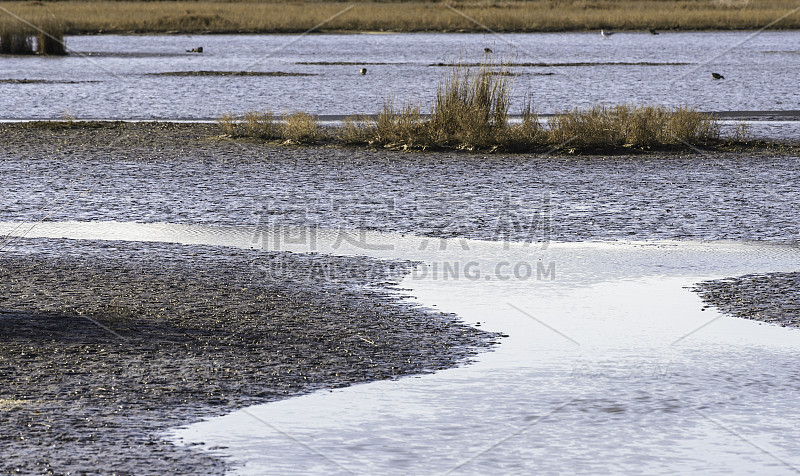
(653,31)
(717,76)
(487,50)
(363,70)
(199,49)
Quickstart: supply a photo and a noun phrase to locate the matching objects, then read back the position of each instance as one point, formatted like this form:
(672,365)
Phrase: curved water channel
(610,365)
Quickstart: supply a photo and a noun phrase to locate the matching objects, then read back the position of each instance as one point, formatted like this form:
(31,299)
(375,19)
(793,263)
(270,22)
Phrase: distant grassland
(506,16)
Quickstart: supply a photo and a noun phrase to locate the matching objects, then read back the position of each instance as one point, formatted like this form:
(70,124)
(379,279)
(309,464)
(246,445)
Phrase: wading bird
(717,76)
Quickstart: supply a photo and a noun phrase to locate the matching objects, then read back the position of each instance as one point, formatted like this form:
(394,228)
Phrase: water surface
(611,365)
(113,76)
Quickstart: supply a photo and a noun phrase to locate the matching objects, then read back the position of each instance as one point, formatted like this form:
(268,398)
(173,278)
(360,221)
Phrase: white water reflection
(601,372)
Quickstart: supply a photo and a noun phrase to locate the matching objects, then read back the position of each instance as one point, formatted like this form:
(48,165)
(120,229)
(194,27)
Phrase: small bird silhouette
(199,49)
(363,70)
(605,34)
(653,31)
(717,76)
(487,50)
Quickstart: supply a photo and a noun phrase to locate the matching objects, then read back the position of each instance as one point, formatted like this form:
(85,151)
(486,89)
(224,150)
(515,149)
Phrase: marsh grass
(404,127)
(640,127)
(300,128)
(470,112)
(229,124)
(357,131)
(50,38)
(599,129)
(18,38)
(525,134)
(471,109)
(256,125)
(260,125)
(741,132)
(507,16)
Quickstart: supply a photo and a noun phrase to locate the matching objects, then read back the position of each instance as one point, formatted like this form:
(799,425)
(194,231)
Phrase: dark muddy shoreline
(107,344)
(200,136)
(771,298)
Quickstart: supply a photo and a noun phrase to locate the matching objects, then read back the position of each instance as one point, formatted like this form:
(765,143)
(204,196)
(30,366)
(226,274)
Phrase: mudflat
(105,344)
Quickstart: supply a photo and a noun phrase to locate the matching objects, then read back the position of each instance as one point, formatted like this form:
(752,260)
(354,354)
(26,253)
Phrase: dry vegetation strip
(471,113)
(508,16)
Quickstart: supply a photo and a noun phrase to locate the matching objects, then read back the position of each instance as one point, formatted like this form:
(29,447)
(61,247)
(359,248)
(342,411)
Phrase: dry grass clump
(50,38)
(404,127)
(260,125)
(471,109)
(299,128)
(741,132)
(41,36)
(357,131)
(525,134)
(642,127)
(273,16)
(686,124)
(296,128)
(229,124)
(471,113)
(482,127)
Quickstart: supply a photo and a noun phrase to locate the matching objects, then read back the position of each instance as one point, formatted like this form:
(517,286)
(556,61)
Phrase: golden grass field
(87,16)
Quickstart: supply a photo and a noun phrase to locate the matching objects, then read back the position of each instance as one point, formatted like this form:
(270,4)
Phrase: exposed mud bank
(104,344)
(770,298)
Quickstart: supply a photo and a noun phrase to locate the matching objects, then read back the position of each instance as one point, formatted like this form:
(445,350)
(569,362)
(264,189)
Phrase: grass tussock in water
(517,16)
(37,36)
(297,128)
(300,128)
(260,125)
(471,113)
(641,127)
(471,109)
(357,131)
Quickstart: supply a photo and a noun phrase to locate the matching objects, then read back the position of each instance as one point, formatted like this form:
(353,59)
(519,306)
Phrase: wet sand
(104,344)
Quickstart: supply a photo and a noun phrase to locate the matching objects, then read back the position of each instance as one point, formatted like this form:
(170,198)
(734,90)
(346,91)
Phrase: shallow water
(611,365)
(112,76)
(600,374)
(520,198)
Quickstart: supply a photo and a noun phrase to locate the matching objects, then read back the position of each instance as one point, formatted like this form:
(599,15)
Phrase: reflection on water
(610,366)
(584,69)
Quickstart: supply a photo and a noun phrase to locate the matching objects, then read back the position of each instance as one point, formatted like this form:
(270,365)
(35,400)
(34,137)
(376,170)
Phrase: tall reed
(40,36)
(471,108)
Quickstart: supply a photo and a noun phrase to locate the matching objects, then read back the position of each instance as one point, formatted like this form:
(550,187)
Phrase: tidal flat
(106,344)
(160,335)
